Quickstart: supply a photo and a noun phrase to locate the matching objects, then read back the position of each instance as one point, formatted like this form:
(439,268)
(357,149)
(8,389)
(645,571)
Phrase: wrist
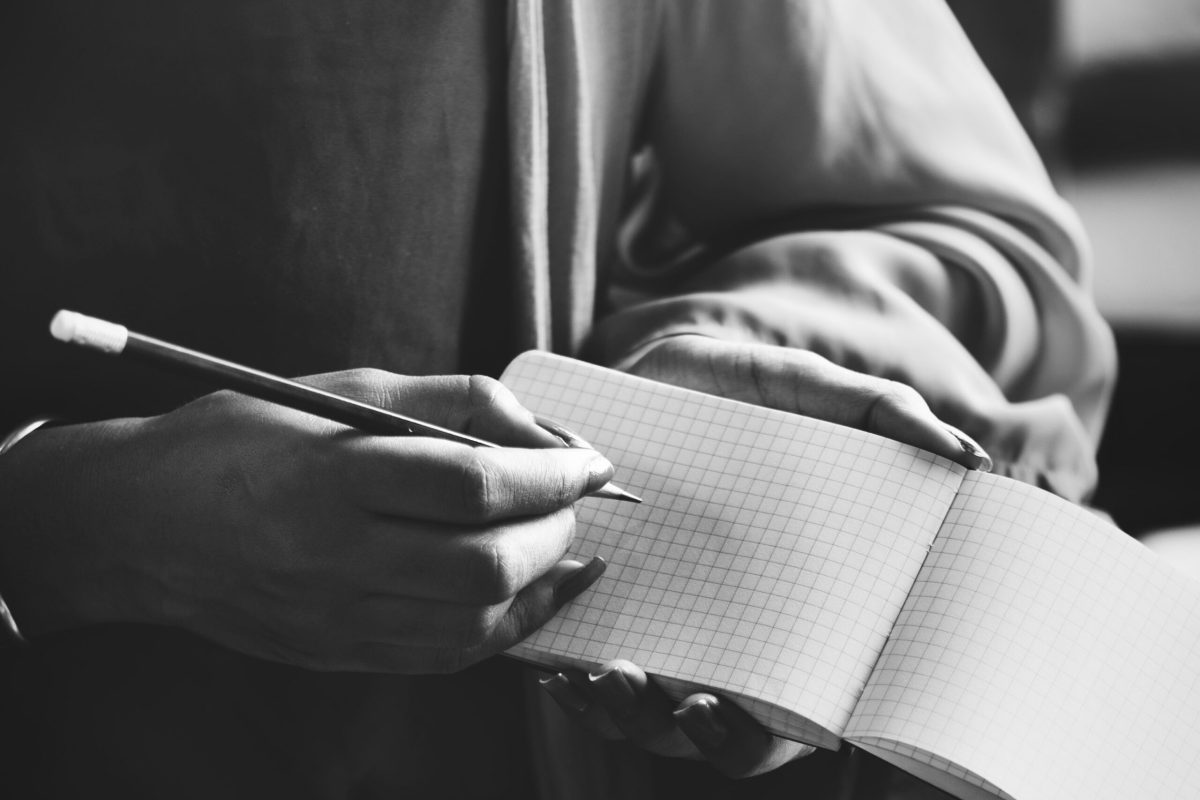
(63,549)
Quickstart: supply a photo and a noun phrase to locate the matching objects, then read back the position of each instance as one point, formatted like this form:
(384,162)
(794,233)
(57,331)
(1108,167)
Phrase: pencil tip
(613,492)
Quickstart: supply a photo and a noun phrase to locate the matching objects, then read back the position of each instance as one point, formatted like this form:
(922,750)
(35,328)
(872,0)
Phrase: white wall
(1103,30)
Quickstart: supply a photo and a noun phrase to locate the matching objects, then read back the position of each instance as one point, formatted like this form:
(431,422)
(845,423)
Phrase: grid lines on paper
(1046,652)
(770,557)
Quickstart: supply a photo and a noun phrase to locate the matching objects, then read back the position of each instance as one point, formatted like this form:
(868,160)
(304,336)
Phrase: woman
(809,205)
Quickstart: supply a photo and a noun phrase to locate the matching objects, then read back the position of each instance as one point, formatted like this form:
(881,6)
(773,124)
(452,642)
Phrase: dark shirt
(301,185)
(304,186)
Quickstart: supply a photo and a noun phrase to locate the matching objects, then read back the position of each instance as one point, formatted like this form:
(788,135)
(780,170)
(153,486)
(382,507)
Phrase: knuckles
(367,384)
(895,397)
(485,394)
(904,396)
(490,490)
(479,488)
(565,489)
(495,566)
(495,572)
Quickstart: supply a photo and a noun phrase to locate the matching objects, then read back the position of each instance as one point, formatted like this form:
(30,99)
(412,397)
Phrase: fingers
(803,382)
(898,412)
(977,457)
(443,481)
(731,740)
(619,701)
(417,622)
(539,601)
(639,709)
(475,404)
(427,478)
(457,565)
(486,631)
(570,692)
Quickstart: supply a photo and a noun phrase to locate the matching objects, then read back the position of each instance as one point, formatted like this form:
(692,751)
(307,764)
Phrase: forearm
(974,346)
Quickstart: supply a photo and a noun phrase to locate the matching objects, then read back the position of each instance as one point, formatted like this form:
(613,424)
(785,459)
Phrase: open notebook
(977,632)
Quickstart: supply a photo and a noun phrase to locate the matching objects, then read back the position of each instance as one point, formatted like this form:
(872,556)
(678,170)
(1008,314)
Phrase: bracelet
(8,625)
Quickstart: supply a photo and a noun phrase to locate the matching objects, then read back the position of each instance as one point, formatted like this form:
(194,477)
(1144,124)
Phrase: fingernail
(569,437)
(600,472)
(698,719)
(572,585)
(983,462)
(564,693)
(614,691)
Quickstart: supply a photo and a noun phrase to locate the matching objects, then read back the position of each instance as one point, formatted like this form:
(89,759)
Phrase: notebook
(982,634)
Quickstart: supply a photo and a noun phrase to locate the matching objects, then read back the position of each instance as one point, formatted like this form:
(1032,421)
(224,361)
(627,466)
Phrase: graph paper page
(769,558)
(1044,652)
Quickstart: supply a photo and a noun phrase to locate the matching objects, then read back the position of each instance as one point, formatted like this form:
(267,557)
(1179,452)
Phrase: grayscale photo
(589,399)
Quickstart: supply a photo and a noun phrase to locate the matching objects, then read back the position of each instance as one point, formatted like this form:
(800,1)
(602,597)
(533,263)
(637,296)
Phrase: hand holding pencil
(287,536)
(108,337)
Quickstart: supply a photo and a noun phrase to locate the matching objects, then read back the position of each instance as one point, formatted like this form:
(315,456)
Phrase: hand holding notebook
(803,382)
(980,633)
(270,529)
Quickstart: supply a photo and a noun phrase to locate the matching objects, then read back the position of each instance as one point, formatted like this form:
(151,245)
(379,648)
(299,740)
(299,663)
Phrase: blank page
(1044,652)
(769,559)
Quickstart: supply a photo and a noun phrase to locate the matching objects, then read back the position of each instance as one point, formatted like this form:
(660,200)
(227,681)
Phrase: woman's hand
(618,700)
(805,383)
(289,537)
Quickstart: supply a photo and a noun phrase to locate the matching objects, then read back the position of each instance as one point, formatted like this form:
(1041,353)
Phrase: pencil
(109,337)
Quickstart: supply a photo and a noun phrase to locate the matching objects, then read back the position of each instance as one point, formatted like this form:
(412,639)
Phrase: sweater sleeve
(844,176)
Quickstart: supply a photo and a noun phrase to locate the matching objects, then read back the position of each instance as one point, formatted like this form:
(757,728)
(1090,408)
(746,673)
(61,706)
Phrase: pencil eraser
(70,326)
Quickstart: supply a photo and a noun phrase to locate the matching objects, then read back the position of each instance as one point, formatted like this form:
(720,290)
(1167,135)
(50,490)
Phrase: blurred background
(1110,92)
